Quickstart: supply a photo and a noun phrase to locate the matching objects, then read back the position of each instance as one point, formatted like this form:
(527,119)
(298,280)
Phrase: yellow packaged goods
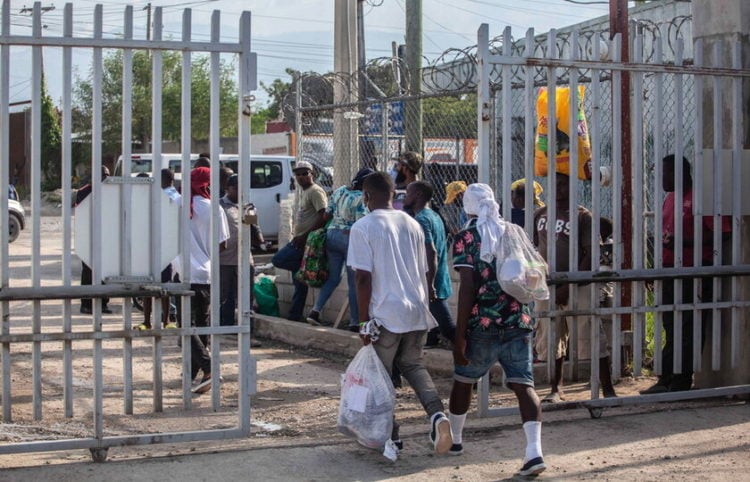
(563,133)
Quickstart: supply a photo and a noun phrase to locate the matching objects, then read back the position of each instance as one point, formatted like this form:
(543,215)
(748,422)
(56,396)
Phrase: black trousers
(86,276)
(686,344)
(199,306)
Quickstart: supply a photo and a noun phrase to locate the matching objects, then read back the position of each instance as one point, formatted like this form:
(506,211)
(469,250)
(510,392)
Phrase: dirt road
(294,415)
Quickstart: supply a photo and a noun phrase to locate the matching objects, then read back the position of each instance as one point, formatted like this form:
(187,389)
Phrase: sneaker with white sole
(313,318)
(205,384)
(456,449)
(534,466)
(440,433)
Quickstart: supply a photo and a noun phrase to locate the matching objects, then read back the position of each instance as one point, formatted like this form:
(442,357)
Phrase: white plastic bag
(521,271)
(367,400)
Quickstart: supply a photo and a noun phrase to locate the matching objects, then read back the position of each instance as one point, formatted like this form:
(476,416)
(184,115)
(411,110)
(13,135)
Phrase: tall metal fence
(496,144)
(666,100)
(94,380)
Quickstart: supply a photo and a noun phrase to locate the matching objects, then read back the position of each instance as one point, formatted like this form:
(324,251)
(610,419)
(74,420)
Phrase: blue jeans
(446,326)
(511,347)
(337,245)
(289,258)
(228,277)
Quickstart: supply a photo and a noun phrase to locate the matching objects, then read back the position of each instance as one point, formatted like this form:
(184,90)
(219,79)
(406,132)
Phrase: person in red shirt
(669,380)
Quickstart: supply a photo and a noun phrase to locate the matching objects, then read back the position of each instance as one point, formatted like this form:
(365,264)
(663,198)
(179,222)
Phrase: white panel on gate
(140,229)
(726,182)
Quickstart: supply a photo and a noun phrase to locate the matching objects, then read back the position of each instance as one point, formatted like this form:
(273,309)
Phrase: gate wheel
(596,412)
(99,455)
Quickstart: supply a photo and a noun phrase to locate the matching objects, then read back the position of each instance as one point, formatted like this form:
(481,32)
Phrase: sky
(294,33)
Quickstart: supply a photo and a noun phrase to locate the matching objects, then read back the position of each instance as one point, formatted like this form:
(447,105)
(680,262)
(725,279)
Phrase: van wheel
(14,228)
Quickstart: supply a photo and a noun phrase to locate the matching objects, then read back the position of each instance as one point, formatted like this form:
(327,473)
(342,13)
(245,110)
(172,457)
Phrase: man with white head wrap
(491,326)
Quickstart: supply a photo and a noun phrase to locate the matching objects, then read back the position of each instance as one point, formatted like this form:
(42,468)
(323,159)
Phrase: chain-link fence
(375,131)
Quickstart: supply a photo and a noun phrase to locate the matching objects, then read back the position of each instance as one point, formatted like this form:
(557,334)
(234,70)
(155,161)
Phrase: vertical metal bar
(247,373)
(595,205)
(637,181)
(4,175)
(617,48)
(96,218)
(384,133)
(67,170)
(483,103)
(126,219)
(718,204)
(185,136)
(551,200)
(737,130)
(698,211)
(484,135)
(573,264)
(215,208)
(299,128)
(37,80)
(528,144)
(507,108)
(155,212)
(679,194)
(658,175)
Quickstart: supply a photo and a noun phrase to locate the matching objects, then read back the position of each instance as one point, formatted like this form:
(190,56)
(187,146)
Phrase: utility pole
(618,23)
(413,120)
(148,20)
(345,124)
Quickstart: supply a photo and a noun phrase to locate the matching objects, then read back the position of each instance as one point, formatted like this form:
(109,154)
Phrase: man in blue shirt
(418,196)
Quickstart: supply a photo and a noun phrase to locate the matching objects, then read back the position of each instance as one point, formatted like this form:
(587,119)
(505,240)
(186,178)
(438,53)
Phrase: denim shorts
(511,347)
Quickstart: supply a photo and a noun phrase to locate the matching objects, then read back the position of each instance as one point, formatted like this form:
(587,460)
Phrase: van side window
(266,174)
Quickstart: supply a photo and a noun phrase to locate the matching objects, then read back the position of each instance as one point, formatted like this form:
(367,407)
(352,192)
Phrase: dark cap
(412,160)
(359,178)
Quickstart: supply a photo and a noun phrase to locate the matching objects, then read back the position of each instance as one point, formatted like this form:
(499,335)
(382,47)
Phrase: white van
(271,179)
(143,162)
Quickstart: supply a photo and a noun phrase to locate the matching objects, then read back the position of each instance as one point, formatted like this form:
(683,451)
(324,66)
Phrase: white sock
(457,427)
(533,440)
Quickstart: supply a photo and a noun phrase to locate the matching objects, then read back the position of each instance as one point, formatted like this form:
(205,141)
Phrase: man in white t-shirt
(387,251)
(200,269)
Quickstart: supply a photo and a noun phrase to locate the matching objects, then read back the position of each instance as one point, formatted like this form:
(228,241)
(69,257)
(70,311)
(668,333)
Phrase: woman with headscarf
(344,208)
(491,326)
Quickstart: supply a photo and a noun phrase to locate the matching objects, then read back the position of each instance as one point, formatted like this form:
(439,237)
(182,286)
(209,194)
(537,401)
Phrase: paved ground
(705,441)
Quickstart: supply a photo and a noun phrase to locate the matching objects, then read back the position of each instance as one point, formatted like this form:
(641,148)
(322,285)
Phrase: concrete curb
(438,361)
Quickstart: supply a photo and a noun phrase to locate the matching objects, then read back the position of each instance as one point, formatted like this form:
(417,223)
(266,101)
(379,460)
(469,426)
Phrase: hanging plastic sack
(314,268)
(563,133)
(266,295)
(367,400)
(523,272)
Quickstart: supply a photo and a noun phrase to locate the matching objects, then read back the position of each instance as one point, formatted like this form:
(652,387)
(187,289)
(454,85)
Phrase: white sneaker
(440,434)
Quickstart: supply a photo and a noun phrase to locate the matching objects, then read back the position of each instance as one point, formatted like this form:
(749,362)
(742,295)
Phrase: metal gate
(79,366)
(661,124)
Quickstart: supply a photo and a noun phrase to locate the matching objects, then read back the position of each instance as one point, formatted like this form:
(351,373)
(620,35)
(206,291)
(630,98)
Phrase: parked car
(16,215)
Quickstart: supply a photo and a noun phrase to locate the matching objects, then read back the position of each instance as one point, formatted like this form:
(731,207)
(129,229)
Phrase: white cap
(302,165)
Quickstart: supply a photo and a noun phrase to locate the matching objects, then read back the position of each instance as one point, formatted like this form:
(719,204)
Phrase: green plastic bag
(266,295)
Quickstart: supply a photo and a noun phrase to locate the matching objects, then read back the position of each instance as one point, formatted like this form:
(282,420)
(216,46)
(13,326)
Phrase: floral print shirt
(346,207)
(492,306)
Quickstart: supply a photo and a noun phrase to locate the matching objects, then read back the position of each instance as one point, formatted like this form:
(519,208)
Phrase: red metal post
(618,23)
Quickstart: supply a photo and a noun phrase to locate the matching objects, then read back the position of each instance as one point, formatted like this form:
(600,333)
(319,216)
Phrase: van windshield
(140,165)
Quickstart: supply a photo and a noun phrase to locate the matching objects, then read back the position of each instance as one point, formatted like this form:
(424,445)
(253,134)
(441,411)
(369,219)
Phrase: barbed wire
(455,69)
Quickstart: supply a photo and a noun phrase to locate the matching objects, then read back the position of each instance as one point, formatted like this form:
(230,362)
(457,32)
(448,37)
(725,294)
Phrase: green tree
(141,100)
(450,116)
(51,143)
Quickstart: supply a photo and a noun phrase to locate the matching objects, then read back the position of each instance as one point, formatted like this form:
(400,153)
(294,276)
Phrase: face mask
(393,173)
